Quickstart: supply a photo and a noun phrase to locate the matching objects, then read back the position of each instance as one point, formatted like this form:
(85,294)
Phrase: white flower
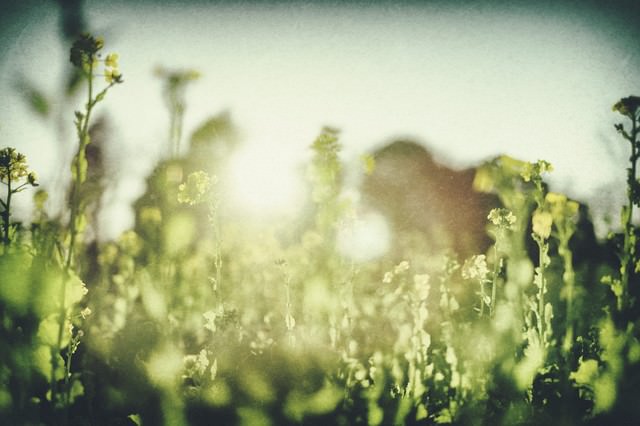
(210,320)
(475,268)
(421,283)
(503,218)
(401,267)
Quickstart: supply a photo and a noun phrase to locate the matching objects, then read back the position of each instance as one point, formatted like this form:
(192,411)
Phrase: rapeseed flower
(542,224)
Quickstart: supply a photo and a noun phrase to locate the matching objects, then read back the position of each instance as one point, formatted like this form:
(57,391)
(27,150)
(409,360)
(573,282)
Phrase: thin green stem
(83,142)
(481,280)
(6,214)
(214,219)
(494,281)
(541,290)
(73,345)
(75,208)
(289,320)
(628,256)
(569,281)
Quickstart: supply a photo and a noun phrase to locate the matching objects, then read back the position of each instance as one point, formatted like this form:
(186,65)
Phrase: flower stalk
(630,108)
(14,174)
(84,54)
(541,227)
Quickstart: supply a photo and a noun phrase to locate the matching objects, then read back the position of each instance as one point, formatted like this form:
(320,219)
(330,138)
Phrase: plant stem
(628,255)
(214,219)
(75,208)
(494,281)
(481,297)
(542,254)
(569,281)
(83,142)
(6,214)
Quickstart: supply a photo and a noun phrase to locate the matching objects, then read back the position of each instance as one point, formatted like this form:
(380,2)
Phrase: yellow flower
(542,223)
(555,198)
(368,164)
(111,60)
(150,215)
(627,106)
(196,188)
(561,207)
(573,207)
(111,75)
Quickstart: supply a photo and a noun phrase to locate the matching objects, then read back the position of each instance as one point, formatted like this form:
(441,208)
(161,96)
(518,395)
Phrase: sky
(469,80)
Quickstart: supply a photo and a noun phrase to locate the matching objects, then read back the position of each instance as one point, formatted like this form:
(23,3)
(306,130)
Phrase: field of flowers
(197,317)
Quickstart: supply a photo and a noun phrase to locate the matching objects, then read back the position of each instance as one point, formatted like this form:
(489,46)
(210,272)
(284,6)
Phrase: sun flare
(264,181)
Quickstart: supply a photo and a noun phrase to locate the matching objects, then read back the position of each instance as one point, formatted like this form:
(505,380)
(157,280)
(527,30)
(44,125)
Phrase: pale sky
(468,79)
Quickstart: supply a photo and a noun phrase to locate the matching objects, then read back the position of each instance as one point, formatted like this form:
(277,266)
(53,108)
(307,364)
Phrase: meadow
(196,316)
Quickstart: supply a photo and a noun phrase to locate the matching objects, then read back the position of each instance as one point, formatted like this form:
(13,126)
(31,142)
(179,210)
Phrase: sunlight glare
(366,239)
(265,181)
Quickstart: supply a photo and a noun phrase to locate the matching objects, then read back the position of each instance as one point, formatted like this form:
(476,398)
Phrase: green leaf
(586,373)
(624,215)
(48,332)
(444,417)
(42,362)
(376,415)
(38,102)
(421,412)
(77,390)
(135,418)
(548,315)
(404,407)
(15,282)
(75,290)
(100,96)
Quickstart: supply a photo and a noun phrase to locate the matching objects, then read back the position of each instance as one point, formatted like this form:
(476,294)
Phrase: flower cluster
(502,218)
(560,207)
(85,54)
(85,50)
(401,267)
(397,270)
(111,72)
(628,106)
(542,221)
(534,171)
(13,166)
(196,365)
(475,268)
(422,286)
(195,189)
